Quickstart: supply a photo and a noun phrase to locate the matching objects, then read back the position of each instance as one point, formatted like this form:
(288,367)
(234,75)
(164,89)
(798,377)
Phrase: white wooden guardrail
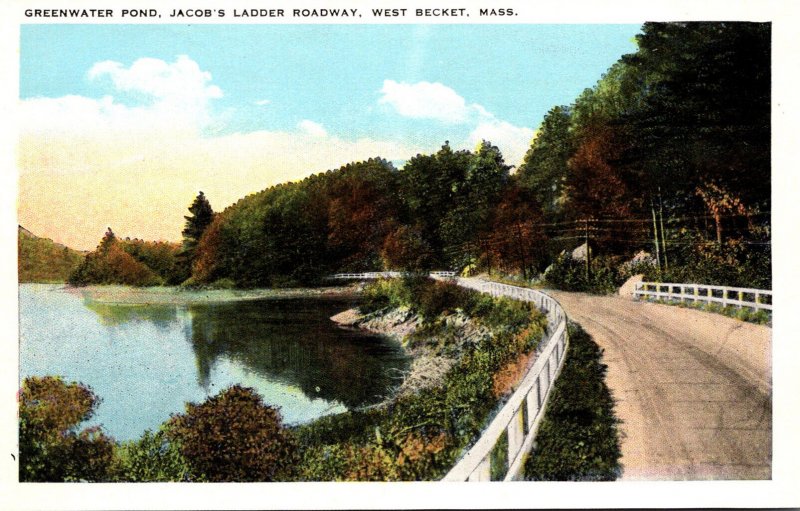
(723,295)
(520,417)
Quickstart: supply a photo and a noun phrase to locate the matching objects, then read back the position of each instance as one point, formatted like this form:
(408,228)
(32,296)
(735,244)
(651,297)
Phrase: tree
(595,189)
(517,240)
(110,263)
(544,169)
(477,194)
(196,224)
(234,436)
(50,447)
(705,117)
(362,208)
(405,248)
(431,185)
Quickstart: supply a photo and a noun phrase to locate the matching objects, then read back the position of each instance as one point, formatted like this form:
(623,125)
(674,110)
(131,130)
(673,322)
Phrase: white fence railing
(368,275)
(726,296)
(520,417)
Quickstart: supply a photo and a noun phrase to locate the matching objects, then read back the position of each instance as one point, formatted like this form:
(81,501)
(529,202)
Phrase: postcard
(390,255)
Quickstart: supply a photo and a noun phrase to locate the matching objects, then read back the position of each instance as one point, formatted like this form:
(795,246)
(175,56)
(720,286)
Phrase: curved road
(693,389)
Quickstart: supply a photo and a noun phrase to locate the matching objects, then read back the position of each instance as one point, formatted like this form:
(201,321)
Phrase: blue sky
(247,106)
(333,73)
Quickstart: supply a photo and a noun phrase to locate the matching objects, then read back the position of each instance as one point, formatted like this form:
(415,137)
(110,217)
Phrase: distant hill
(43,260)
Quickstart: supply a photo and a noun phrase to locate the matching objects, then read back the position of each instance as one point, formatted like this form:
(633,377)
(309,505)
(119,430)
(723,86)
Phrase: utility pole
(655,234)
(663,233)
(588,252)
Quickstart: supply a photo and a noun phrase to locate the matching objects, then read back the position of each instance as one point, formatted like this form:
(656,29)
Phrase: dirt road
(693,389)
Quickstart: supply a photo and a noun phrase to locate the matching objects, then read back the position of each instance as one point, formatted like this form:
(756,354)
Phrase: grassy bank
(578,439)
(759,317)
(421,436)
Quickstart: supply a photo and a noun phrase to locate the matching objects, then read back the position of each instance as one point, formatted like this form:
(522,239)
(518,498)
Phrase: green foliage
(544,169)
(51,447)
(498,458)
(759,317)
(153,458)
(578,439)
(111,263)
(201,216)
(733,263)
(384,293)
(161,257)
(569,274)
(233,436)
(42,260)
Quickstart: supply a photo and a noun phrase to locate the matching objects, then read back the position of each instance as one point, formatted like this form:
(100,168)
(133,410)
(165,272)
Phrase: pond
(147,361)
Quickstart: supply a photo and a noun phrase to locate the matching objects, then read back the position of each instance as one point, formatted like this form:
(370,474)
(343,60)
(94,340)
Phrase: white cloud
(425,100)
(181,80)
(312,128)
(99,162)
(262,102)
(512,140)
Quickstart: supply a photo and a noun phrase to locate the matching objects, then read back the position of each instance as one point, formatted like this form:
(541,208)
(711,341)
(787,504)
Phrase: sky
(122,125)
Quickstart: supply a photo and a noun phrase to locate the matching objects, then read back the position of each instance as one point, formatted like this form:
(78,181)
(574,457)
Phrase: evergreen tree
(196,224)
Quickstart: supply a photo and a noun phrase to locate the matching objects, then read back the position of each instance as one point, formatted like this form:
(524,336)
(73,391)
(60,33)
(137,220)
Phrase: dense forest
(668,154)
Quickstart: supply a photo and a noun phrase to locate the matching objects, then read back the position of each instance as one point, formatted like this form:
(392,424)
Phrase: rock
(579,254)
(347,318)
(626,289)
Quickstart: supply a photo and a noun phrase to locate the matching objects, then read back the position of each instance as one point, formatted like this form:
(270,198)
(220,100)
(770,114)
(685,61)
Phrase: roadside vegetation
(759,317)
(578,439)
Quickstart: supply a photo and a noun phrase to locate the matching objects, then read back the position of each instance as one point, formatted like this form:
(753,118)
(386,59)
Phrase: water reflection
(162,316)
(284,344)
(294,342)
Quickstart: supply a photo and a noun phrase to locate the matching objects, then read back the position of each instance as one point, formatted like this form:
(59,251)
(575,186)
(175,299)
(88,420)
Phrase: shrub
(51,448)
(570,275)
(153,458)
(233,436)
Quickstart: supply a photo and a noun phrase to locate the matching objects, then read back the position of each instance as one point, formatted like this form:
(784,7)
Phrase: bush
(153,458)
(233,436)
(569,274)
(51,448)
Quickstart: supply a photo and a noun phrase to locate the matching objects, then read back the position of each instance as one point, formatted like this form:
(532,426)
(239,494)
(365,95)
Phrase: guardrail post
(741,298)
(483,472)
(534,402)
(516,435)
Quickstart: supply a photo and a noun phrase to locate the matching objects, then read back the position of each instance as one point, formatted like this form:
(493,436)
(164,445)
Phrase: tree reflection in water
(294,342)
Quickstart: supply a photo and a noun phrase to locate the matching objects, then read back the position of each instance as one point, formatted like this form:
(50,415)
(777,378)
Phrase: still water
(146,361)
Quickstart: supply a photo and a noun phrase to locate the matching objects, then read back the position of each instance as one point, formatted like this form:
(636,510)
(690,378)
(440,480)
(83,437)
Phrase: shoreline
(428,365)
(174,295)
